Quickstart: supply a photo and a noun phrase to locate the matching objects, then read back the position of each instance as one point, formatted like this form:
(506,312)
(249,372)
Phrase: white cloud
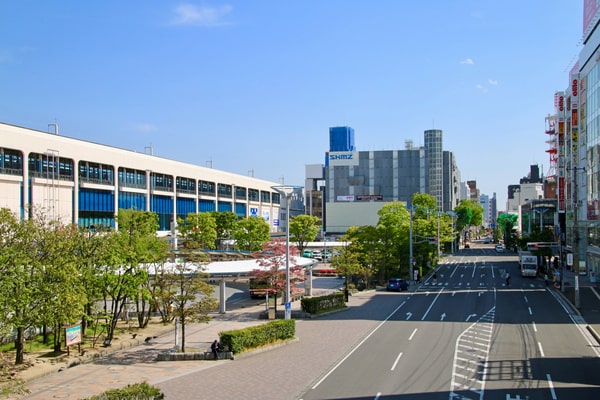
(468,61)
(493,82)
(144,127)
(189,14)
(479,86)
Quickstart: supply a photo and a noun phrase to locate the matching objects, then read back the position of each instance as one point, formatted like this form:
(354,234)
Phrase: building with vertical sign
(575,151)
(359,183)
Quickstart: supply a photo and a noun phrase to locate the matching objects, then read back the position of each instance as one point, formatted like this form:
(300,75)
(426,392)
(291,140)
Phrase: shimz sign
(342,158)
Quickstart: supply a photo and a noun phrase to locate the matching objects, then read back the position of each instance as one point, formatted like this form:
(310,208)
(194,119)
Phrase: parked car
(499,248)
(397,285)
(307,253)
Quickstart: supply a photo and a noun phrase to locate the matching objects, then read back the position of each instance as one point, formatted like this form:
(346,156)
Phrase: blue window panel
(240,210)
(206,206)
(224,206)
(161,204)
(96,200)
(128,200)
(185,206)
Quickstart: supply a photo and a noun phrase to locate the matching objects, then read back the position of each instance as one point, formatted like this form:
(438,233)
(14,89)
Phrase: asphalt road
(466,336)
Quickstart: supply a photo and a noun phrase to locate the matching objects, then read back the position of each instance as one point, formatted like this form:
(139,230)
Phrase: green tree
(392,239)
(366,246)
(251,234)
(62,298)
(225,226)
(20,278)
(132,246)
(468,213)
(304,229)
(190,294)
(199,231)
(92,248)
(348,264)
(508,223)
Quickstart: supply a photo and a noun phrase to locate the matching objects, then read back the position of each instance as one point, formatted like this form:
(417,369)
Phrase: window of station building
(240,193)
(276,198)
(253,195)
(11,162)
(161,182)
(265,196)
(224,190)
(132,178)
(185,185)
(50,166)
(96,173)
(205,187)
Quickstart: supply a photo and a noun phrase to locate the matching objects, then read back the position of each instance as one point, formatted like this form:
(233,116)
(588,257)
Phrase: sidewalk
(134,360)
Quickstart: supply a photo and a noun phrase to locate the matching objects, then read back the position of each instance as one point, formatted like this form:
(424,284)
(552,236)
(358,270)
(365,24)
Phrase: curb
(594,333)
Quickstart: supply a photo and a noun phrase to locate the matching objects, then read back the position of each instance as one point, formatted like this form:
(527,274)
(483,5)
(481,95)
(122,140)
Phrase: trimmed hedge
(241,340)
(138,391)
(316,305)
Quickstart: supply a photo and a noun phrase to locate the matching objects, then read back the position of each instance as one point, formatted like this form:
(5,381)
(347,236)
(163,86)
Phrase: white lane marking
(408,315)
(378,395)
(579,322)
(432,303)
(412,334)
(529,308)
(396,362)
(473,274)
(596,293)
(492,267)
(551,385)
(541,349)
(463,359)
(357,346)
(526,300)
(534,326)
(452,274)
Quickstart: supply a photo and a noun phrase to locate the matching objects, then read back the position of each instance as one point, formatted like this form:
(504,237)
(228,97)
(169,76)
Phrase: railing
(11,171)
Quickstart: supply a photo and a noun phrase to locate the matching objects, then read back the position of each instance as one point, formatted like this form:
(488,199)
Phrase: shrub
(242,340)
(138,391)
(315,305)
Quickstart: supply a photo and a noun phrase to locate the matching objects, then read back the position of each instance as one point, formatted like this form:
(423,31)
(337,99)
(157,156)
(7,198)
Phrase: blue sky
(253,86)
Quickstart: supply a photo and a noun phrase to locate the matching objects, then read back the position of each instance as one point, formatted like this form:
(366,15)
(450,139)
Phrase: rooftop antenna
(149,150)
(55,126)
(251,172)
(209,163)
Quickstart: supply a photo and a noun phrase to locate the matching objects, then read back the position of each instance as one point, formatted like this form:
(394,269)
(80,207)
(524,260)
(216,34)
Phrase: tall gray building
(358,183)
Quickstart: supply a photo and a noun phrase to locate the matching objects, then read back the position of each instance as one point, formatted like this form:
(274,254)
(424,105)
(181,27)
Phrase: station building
(84,183)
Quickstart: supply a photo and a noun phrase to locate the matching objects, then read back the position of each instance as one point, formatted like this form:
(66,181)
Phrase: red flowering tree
(271,275)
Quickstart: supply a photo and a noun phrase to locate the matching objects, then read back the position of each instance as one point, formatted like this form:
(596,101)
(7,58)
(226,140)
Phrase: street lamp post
(287,191)
(411,209)
(452,214)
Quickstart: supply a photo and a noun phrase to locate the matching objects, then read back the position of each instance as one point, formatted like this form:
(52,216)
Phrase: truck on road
(528,263)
